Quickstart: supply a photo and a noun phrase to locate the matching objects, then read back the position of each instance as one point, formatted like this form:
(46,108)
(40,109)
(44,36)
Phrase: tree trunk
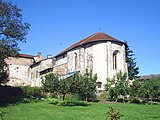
(86,99)
(151,101)
(123,99)
(116,99)
(63,96)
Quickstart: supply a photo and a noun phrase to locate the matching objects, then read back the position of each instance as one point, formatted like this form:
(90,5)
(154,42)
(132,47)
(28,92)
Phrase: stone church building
(101,53)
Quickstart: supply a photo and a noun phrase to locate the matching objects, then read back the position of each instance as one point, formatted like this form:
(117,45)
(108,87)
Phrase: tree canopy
(12,31)
(83,85)
(117,86)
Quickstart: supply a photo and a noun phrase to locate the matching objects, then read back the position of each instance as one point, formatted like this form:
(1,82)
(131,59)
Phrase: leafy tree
(151,89)
(65,86)
(53,84)
(133,70)
(83,85)
(136,90)
(50,83)
(111,88)
(146,89)
(12,31)
(86,85)
(117,86)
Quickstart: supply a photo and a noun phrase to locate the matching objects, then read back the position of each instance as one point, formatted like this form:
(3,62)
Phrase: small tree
(50,83)
(83,85)
(110,87)
(145,89)
(136,90)
(53,84)
(86,85)
(122,84)
(65,86)
(113,114)
(117,86)
(152,89)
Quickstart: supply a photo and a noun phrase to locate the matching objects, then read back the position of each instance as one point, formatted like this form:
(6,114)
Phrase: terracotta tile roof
(148,76)
(26,56)
(100,36)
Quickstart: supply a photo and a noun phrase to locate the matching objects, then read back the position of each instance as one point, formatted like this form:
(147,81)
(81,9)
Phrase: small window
(36,74)
(31,75)
(64,55)
(99,84)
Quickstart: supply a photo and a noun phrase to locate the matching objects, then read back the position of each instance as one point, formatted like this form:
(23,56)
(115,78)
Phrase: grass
(95,111)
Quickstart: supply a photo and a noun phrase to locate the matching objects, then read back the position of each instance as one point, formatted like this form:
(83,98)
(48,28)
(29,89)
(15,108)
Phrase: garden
(74,98)
(45,110)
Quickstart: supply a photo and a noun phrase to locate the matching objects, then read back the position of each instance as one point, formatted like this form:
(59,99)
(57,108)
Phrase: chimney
(39,54)
(49,56)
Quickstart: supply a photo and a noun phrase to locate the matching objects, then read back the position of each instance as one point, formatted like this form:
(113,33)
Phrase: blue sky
(57,24)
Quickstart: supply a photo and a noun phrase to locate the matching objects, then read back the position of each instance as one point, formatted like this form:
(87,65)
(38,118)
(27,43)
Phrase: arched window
(115,58)
(75,58)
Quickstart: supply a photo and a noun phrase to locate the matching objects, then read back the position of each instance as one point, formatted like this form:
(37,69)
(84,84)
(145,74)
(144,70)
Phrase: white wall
(18,75)
(100,62)
(97,56)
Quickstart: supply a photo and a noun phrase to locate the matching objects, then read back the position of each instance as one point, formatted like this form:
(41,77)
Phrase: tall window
(115,57)
(36,74)
(31,75)
(75,57)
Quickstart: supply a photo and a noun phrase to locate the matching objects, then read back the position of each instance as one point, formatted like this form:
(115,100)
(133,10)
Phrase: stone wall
(97,56)
(18,71)
(35,77)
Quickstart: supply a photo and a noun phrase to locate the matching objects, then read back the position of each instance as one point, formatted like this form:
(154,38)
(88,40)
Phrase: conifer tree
(133,70)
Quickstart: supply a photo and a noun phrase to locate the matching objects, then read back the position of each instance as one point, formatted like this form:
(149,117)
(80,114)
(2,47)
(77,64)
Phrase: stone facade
(24,70)
(37,68)
(101,53)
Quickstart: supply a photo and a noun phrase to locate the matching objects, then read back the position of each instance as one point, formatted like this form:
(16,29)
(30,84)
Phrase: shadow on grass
(144,102)
(70,103)
(10,95)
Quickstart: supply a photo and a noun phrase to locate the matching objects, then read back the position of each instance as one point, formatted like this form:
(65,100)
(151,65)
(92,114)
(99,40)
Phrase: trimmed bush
(32,92)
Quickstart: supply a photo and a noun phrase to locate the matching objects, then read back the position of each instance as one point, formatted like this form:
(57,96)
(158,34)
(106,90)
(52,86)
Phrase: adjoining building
(101,53)
(24,70)
(147,77)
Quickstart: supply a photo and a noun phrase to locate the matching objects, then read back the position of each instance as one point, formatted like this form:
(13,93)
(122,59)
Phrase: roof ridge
(26,55)
(98,36)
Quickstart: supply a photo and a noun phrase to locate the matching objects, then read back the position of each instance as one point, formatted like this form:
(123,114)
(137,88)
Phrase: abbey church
(101,53)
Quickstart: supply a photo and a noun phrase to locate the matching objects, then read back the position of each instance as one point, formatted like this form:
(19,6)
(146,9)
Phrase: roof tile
(95,37)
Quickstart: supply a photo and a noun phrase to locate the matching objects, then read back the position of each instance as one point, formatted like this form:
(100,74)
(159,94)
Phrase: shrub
(2,113)
(69,102)
(55,101)
(32,92)
(103,96)
(113,114)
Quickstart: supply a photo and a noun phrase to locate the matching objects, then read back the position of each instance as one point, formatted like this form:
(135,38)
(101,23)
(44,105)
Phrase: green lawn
(95,111)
